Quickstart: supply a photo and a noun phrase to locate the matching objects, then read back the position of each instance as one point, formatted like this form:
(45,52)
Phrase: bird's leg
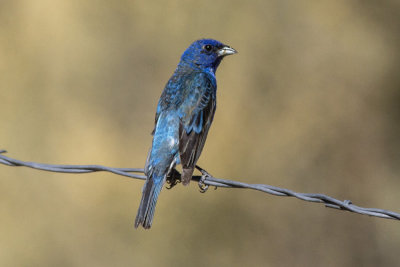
(173,178)
(204,174)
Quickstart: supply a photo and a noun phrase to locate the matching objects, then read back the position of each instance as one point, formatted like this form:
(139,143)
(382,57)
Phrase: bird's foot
(204,175)
(173,178)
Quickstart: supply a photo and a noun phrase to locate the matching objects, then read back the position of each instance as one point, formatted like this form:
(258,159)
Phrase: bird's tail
(151,190)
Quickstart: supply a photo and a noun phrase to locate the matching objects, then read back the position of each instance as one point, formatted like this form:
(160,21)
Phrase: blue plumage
(184,115)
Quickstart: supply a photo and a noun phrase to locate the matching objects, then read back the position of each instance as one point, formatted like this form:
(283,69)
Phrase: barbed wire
(206,180)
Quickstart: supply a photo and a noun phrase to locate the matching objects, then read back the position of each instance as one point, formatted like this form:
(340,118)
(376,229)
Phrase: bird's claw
(173,178)
(202,185)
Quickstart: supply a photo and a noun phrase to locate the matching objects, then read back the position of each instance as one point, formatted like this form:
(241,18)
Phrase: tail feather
(151,190)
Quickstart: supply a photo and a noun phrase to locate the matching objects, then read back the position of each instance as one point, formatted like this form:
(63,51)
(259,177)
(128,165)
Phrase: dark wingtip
(187,175)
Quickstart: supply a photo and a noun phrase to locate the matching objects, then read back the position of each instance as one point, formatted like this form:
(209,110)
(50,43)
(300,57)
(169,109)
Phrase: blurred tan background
(310,103)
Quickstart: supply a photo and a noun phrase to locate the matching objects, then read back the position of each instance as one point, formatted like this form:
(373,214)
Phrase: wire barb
(206,180)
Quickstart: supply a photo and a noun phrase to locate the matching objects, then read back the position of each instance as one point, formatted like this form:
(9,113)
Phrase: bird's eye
(208,47)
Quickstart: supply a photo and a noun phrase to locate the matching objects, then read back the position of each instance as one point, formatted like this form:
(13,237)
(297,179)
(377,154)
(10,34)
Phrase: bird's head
(206,54)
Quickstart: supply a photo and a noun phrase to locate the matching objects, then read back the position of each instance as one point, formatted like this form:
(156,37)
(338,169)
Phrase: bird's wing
(196,113)
(171,95)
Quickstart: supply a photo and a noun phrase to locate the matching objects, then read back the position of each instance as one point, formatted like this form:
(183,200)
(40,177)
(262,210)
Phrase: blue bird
(184,115)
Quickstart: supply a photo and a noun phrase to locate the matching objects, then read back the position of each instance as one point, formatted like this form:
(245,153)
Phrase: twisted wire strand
(206,180)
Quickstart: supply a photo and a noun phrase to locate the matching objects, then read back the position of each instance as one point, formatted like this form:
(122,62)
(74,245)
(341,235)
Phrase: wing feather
(197,113)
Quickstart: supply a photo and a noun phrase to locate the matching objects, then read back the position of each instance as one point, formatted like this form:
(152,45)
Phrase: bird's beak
(226,51)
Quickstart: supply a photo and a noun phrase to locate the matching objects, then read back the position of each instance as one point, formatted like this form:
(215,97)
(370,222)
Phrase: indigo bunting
(184,115)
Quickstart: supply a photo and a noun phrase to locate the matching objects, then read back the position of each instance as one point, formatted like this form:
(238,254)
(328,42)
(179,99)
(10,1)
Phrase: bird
(183,118)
